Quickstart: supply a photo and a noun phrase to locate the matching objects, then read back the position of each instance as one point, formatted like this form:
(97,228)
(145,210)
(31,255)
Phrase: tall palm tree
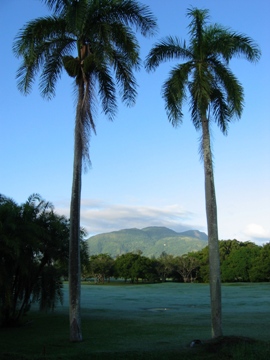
(215,95)
(94,42)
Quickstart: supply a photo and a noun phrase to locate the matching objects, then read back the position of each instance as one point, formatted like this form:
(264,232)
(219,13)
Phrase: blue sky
(144,172)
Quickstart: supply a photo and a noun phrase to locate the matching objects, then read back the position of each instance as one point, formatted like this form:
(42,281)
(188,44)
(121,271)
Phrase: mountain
(152,241)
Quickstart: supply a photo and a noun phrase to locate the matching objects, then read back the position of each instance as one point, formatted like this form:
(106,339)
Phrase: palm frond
(125,78)
(53,66)
(50,74)
(131,13)
(74,14)
(117,47)
(25,77)
(221,110)
(124,40)
(107,91)
(226,44)
(6,200)
(230,84)
(167,49)
(199,18)
(196,115)
(243,45)
(57,6)
(200,86)
(41,44)
(174,92)
(35,32)
(217,42)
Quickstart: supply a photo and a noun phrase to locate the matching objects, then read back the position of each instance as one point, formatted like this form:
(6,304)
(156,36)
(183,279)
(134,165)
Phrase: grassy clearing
(148,322)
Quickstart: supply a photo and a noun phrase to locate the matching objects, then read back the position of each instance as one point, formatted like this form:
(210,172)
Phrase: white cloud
(99,217)
(257,233)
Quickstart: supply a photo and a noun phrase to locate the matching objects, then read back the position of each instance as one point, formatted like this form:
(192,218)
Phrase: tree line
(240,262)
(34,248)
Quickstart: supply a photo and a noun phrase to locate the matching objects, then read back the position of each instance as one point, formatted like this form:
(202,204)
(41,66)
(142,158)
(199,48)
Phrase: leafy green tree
(165,266)
(203,270)
(260,270)
(94,43)
(133,266)
(215,95)
(123,266)
(143,268)
(101,267)
(85,262)
(226,247)
(239,263)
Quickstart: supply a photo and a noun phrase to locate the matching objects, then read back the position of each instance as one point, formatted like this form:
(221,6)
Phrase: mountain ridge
(152,241)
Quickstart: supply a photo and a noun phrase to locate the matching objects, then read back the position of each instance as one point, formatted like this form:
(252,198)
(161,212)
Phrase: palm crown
(212,86)
(94,42)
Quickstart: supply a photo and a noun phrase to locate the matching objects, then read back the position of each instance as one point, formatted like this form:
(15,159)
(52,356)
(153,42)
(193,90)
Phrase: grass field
(148,322)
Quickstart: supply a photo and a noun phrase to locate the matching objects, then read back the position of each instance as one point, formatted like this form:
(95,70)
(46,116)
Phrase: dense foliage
(240,261)
(34,256)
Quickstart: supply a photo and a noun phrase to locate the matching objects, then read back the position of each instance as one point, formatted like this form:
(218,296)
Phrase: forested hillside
(152,241)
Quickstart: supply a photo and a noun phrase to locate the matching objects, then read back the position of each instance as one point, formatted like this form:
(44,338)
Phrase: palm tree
(215,95)
(94,42)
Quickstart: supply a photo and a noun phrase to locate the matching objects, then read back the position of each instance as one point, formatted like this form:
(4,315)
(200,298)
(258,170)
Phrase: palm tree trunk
(212,226)
(74,242)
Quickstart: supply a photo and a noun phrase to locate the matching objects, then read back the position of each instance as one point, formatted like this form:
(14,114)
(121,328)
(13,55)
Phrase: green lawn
(148,322)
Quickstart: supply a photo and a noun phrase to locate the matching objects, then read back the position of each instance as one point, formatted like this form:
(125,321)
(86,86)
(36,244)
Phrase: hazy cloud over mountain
(99,217)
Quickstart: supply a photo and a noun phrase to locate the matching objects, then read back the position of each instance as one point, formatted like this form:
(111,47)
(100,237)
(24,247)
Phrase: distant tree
(143,268)
(133,266)
(203,270)
(226,247)
(260,270)
(94,42)
(215,95)
(84,253)
(165,266)
(239,263)
(187,266)
(123,264)
(101,267)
